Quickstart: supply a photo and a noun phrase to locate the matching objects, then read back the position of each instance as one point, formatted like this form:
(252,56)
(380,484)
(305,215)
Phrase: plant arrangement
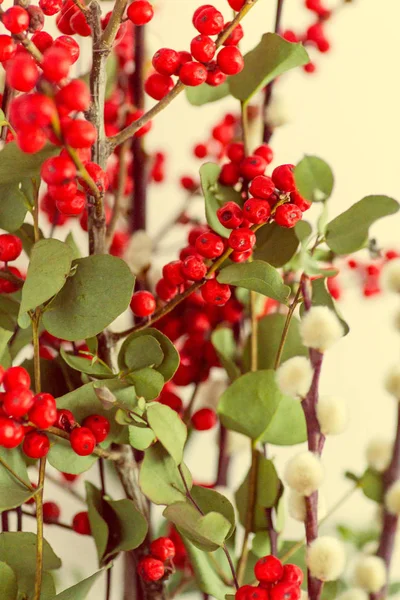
(249,304)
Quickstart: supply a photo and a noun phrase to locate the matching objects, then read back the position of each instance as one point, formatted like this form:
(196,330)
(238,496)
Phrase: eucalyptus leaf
(257,276)
(13,207)
(314,179)
(275,245)
(143,351)
(86,365)
(170,361)
(140,438)
(224,343)
(215,196)
(206,577)
(288,425)
(15,164)
(169,428)
(12,492)
(212,501)
(148,383)
(371,484)
(8,583)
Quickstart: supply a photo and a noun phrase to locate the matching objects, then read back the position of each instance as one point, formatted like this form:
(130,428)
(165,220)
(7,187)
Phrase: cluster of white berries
(370,573)
(326,558)
(320,328)
(304,473)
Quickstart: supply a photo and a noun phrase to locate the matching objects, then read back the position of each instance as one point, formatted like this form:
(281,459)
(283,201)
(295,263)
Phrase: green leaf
(48,269)
(270,330)
(52,375)
(70,240)
(288,425)
(275,245)
(27,236)
(18,550)
(140,438)
(8,583)
(225,345)
(272,57)
(170,362)
(5,336)
(80,590)
(86,365)
(358,537)
(128,527)
(303,230)
(12,492)
(159,477)
(212,501)
(94,297)
(371,484)
(207,579)
(394,588)
(349,231)
(249,403)
(9,307)
(15,164)
(169,428)
(64,459)
(207,532)
(321,297)
(143,351)
(98,524)
(258,276)
(203,94)
(215,196)
(12,206)
(314,179)
(148,383)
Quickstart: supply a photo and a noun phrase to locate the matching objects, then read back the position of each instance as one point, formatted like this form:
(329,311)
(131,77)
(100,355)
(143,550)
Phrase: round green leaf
(65,460)
(148,383)
(225,344)
(12,206)
(12,492)
(372,485)
(257,276)
(275,245)
(94,297)
(170,362)
(169,428)
(86,365)
(8,583)
(140,438)
(287,426)
(143,351)
(98,523)
(212,501)
(314,179)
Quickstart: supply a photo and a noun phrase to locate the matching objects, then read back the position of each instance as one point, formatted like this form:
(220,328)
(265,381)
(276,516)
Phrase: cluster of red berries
(24,417)
(277,581)
(197,66)
(159,562)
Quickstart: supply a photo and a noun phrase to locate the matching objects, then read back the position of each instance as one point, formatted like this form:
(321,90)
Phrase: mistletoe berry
(36,445)
(151,569)
(162,548)
(83,441)
(81,523)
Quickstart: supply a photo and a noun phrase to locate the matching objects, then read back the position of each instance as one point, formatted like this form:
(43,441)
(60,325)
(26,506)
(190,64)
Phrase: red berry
(266,152)
(8,287)
(285,591)
(287,215)
(51,512)
(283,178)
(10,247)
(193,73)
(256,211)
(229,174)
(215,76)
(223,133)
(7,48)
(56,64)
(172,272)
(236,4)
(165,291)
(391,254)
(80,25)
(140,12)
(252,166)
(262,187)
(166,61)
(50,7)
(80,134)
(242,239)
(16,377)
(36,444)
(82,441)
(199,10)
(204,419)
(66,42)
(268,569)
(209,21)
(150,569)
(188,183)
(215,293)
(230,60)
(99,176)
(22,72)
(209,245)
(249,592)
(193,268)
(31,139)
(11,433)
(58,170)
(202,48)
(36,18)
(352,264)
(157,86)
(230,215)
(16,19)
(200,151)
(72,206)
(81,523)
(32,109)
(239,257)
(65,419)
(143,304)
(234,38)
(292,574)
(99,426)
(43,413)
(170,399)
(17,402)
(299,201)
(74,96)
(235,152)
(162,548)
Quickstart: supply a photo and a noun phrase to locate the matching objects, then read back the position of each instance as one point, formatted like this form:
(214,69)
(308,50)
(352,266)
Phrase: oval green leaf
(169,428)
(166,367)
(13,207)
(314,179)
(257,276)
(8,583)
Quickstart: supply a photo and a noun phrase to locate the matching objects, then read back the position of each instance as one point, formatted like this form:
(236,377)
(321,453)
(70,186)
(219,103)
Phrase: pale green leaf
(314,179)
(203,94)
(169,428)
(257,276)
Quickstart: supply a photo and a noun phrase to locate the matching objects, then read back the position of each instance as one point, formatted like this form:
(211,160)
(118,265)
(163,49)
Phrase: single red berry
(242,239)
(74,96)
(32,109)
(172,400)
(8,287)
(80,134)
(352,264)
(209,21)
(66,42)
(283,178)
(11,433)
(143,304)
(285,591)
(250,592)
(140,12)
(188,183)
(16,19)
(157,86)
(199,10)
(63,191)
(184,57)
(172,272)
(17,402)
(10,247)
(70,477)
(391,254)
(234,38)
(56,64)
(150,569)
(32,139)
(99,426)
(215,76)
(100,178)
(236,4)
(292,574)
(316,34)
(22,72)
(58,170)
(268,569)
(193,73)
(266,152)
(230,60)
(65,419)
(239,257)
(162,548)
(16,377)
(204,419)
(299,201)
(223,133)
(202,48)
(82,441)
(229,174)
(209,245)
(252,166)
(235,152)
(193,268)
(200,150)
(166,61)
(287,215)
(7,47)
(43,413)
(80,24)
(50,7)
(230,215)
(36,444)
(165,291)
(256,211)
(262,187)
(51,512)
(81,523)
(72,206)
(215,293)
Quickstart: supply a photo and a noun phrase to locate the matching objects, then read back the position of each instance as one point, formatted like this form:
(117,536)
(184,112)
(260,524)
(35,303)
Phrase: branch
(129,131)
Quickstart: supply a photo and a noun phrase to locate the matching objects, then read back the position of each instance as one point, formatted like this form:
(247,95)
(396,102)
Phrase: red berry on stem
(80,134)
(7,47)
(215,76)
(143,304)
(235,152)
(268,569)
(150,569)
(51,512)
(82,441)
(36,444)
(252,166)
(299,201)
(74,96)
(162,548)
(287,215)
(230,60)
(242,239)
(165,291)
(283,178)
(66,42)
(204,419)
(58,170)
(193,73)
(256,211)
(292,574)
(43,413)
(172,272)
(11,433)
(239,257)
(234,38)
(229,174)
(236,4)
(65,419)
(16,19)
(16,377)
(72,206)
(209,21)
(31,139)
(10,247)
(81,523)
(56,64)
(17,402)
(22,73)
(285,591)
(170,399)
(202,48)
(262,187)
(157,86)
(193,268)
(80,24)
(50,7)
(140,12)
(215,293)
(266,152)
(209,245)
(99,426)
(166,61)
(230,215)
